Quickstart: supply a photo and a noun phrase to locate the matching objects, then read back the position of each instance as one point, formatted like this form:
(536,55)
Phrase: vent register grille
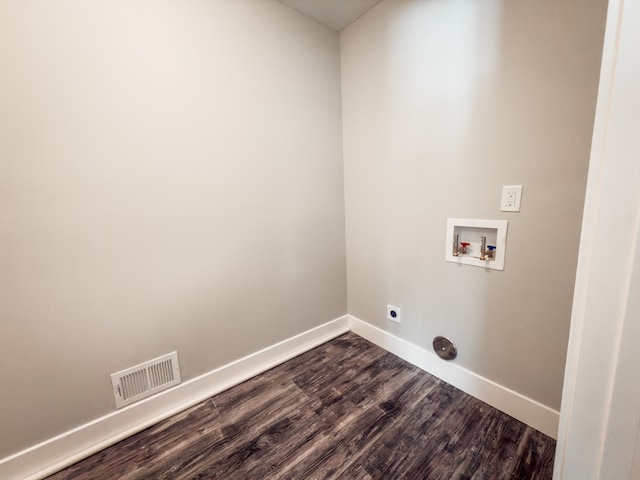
(146,379)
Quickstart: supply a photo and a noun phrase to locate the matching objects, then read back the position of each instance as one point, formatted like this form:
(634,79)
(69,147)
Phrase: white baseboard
(522,408)
(59,452)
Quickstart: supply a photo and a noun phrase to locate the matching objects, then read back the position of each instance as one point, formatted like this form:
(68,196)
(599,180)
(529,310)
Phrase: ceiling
(335,14)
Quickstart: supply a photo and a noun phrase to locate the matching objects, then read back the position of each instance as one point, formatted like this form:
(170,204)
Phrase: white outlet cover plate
(511,196)
(395,318)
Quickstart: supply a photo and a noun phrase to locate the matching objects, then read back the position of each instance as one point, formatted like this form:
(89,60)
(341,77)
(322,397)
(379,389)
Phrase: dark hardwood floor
(346,410)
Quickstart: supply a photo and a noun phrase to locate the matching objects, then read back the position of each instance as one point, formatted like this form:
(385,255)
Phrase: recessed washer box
(469,231)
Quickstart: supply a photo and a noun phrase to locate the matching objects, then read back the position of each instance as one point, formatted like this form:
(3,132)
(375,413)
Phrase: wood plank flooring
(345,410)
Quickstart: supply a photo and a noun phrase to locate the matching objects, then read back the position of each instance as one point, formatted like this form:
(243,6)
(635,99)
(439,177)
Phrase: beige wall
(170,178)
(445,101)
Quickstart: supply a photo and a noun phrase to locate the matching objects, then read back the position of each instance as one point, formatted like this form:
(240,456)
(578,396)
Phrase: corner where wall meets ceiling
(335,14)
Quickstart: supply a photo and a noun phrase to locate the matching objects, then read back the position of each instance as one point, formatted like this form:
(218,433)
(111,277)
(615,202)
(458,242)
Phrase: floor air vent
(146,379)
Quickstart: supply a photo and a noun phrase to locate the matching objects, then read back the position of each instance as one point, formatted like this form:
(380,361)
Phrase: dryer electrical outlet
(393,313)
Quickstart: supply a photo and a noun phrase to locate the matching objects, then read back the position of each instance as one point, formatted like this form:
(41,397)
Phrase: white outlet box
(511,196)
(393,313)
(470,231)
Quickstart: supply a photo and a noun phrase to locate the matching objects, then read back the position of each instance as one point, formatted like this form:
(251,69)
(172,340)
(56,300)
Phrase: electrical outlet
(511,196)
(393,313)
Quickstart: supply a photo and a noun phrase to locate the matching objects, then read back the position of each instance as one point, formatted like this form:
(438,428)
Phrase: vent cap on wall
(146,379)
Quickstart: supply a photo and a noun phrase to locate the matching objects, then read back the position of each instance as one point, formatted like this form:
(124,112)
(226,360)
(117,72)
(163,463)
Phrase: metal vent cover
(146,379)
(445,348)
